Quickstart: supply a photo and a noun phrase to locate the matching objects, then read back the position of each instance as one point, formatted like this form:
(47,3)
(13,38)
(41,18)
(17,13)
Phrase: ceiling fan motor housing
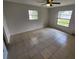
(49,2)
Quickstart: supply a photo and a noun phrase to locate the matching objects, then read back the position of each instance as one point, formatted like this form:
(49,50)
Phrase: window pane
(33,15)
(63,22)
(65,14)
(64,18)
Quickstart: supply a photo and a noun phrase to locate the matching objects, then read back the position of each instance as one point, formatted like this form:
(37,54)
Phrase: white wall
(6,28)
(18,19)
(53,14)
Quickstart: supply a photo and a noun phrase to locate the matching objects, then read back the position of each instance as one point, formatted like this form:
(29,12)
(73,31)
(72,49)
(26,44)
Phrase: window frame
(64,18)
(31,15)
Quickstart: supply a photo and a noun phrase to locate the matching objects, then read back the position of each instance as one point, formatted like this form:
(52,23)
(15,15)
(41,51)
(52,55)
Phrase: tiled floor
(42,44)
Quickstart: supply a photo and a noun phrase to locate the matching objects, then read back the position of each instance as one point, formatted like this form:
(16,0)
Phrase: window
(33,15)
(64,18)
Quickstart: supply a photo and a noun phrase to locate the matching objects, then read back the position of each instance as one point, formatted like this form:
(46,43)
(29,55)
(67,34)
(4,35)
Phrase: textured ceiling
(39,2)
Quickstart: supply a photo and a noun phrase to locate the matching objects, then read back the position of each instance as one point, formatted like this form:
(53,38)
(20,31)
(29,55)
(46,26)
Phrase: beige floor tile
(52,49)
(45,43)
(62,53)
(37,56)
(33,51)
(23,56)
(46,54)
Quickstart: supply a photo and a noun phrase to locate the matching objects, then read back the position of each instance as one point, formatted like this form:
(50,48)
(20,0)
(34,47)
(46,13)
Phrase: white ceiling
(39,2)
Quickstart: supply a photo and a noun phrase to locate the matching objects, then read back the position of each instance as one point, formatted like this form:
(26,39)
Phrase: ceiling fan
(50,3)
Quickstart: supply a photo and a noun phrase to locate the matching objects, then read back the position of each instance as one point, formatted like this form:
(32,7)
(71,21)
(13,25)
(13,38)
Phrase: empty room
(38,29)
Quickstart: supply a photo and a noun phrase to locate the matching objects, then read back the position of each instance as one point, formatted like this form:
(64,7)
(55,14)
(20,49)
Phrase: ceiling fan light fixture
(48,5)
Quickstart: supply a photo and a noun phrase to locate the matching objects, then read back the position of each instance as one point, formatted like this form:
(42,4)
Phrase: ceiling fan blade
(56,3)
